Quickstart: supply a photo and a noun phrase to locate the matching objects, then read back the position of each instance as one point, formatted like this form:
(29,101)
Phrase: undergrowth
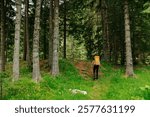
(112,84)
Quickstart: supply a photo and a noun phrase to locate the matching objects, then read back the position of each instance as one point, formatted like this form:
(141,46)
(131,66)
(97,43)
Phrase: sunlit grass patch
(111,84)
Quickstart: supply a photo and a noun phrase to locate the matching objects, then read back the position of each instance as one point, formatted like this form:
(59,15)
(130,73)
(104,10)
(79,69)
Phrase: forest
(47,48)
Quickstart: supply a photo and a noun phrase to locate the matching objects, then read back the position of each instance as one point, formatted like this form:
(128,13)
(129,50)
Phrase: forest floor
(84,67)
(112,84)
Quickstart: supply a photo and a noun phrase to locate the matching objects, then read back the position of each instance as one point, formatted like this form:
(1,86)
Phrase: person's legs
(97,67)
(94,72)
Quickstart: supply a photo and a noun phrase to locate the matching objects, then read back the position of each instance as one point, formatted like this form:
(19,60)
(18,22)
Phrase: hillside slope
(111,85)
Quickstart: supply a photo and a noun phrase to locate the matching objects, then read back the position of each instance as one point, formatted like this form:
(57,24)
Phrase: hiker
(96,64)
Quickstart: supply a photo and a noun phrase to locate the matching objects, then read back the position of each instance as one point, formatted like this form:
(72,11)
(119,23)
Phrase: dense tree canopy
(74,29)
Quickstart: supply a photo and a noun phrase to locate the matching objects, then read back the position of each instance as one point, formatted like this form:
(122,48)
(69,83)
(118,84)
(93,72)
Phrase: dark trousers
(95,71)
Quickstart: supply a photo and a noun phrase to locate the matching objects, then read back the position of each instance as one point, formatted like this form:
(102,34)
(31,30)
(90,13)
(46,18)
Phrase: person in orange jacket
(96,64)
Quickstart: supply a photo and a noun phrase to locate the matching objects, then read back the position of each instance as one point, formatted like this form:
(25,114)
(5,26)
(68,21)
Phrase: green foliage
(147,60)
(111,85)
(84,25)
(26,89)
(122,88)
(3,75)
(147,7)
(146,92)
(49,87)
(140,29)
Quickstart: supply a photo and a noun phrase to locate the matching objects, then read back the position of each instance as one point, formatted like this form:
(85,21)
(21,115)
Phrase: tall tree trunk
(64,29)
(116,49)
(129,62)
(122,52)
(55,63)
(51,30)
(3,38)
(36,66)
(44,31)
(72,50)
(0,22)
(44,40)
(17,41)
(105,31)
(107,54)
(27,43)
(122,38)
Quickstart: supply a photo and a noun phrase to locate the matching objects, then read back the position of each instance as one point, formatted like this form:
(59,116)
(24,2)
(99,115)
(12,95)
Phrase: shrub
(146,92)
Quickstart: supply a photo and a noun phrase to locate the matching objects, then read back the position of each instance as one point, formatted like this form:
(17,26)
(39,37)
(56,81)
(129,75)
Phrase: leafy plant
(3,75)
(146,92)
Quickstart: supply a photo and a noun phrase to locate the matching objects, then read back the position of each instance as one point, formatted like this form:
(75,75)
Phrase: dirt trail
(85,68)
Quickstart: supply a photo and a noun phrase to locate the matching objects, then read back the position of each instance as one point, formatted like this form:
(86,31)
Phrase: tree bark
(36,67)
(116,49)
(51,30)
(72,50)
(44,31)
(27,43)
(65,29)
(105,30)
(3,38)
(55,63)
(17,41)
(129,62)
(44,41)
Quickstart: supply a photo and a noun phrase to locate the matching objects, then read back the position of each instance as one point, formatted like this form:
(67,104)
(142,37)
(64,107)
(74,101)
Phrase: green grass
(112,84)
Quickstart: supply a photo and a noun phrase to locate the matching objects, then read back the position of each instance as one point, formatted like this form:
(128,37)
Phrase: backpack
(96,60)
